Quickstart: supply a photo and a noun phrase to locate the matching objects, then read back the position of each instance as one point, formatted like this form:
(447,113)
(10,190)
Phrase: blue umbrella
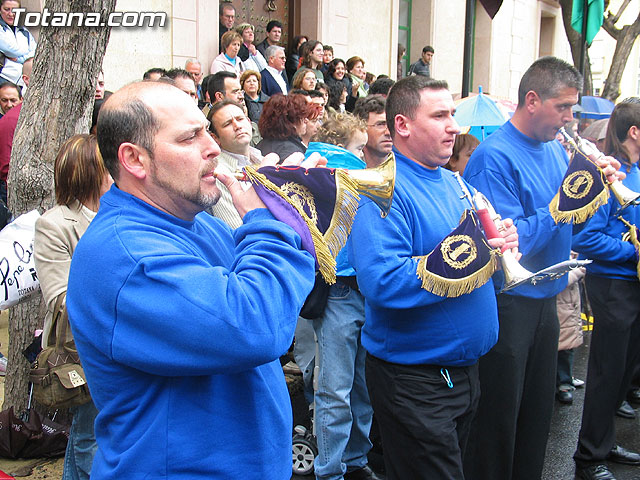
(481,113)
(596,107)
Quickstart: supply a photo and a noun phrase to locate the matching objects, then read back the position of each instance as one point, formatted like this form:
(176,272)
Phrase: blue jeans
(81,447)
(343,411)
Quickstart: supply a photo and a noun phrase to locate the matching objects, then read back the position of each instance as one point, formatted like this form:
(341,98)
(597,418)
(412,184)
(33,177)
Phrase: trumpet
(514,273)
(375,183)
(625,196)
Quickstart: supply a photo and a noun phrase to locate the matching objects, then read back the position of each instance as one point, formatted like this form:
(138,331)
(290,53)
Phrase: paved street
(564,433)
(566,424)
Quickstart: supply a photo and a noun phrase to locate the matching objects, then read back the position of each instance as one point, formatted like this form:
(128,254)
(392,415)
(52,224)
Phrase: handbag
(316,301)
(58,378)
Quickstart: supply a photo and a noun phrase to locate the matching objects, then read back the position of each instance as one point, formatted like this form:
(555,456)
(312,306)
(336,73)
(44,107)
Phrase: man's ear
(532,101)
(402,125)
(134,159)
(218,97)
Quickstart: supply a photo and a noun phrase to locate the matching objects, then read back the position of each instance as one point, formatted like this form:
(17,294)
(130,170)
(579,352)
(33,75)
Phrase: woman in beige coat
(80,180)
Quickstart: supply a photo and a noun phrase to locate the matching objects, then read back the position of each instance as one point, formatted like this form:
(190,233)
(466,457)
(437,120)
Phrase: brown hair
(299,76)
(462,142)
(247,74)
(623,117)
(281,114)
(228,38)
(79,170)
(352,62)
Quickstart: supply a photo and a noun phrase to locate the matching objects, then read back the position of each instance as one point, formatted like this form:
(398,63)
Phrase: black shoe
(594,472)
(626,411)
(619,454)
(634,396)
(565,396)
(364,473)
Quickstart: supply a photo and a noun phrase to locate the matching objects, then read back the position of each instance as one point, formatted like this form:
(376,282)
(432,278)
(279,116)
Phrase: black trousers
(517,378)
(613,354)
(423,421)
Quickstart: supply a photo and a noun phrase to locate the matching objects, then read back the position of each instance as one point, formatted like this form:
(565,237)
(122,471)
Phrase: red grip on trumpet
(490,229)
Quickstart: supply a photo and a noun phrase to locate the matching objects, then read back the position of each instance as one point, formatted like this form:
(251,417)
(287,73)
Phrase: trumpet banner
(460,263)
(582,192)
(632,236)
(320,204)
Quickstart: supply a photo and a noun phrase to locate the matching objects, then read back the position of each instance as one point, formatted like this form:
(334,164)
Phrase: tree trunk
(575,42)
(625,38)
(58,104)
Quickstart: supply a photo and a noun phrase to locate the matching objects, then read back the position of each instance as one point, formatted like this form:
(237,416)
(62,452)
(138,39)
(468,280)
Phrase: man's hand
(508,239)
(243,200)
(247,200)
(610,166)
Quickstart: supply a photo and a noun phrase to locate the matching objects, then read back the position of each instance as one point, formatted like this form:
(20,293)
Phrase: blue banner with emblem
(582,192)
(460,263)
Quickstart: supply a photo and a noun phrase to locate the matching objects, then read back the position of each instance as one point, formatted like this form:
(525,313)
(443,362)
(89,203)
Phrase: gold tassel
(632,236)
(326,260)
(447,287)
(580,215)
(346,207)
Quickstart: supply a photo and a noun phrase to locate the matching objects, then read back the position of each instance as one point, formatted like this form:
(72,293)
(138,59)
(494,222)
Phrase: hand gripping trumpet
(625,196)
(514,273)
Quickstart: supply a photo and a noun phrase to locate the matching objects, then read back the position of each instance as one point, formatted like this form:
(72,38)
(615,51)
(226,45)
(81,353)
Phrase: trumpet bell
(514,273)
(625,196)
(377,183)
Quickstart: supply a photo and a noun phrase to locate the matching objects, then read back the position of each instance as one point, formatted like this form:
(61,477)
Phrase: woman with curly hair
(337,73)
(283,122)
(337,98)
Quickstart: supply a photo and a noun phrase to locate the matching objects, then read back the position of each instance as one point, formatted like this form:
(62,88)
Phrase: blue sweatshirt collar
(417,168)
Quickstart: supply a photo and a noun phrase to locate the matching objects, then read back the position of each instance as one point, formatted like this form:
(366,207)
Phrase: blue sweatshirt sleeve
(381,253)
(210,319)
(595,240)
(535,230)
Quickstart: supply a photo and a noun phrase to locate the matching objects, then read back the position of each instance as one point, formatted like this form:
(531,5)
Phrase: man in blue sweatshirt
(178,319)
(422,348)
(520,168)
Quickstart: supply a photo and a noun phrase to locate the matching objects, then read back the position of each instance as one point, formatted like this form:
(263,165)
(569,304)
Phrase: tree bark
(58,104)
(575,42)
(625,38)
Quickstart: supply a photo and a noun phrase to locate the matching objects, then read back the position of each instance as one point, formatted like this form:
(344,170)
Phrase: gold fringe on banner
(632,236)
(581,214)
(447,287)
(327,246)
(347,200)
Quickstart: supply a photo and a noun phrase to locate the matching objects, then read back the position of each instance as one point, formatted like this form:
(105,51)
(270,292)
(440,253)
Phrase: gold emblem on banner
(301,197)
(578,184)
(458,251)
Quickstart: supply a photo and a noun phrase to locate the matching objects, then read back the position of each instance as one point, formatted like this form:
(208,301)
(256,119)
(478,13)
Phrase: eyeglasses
(378,125)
